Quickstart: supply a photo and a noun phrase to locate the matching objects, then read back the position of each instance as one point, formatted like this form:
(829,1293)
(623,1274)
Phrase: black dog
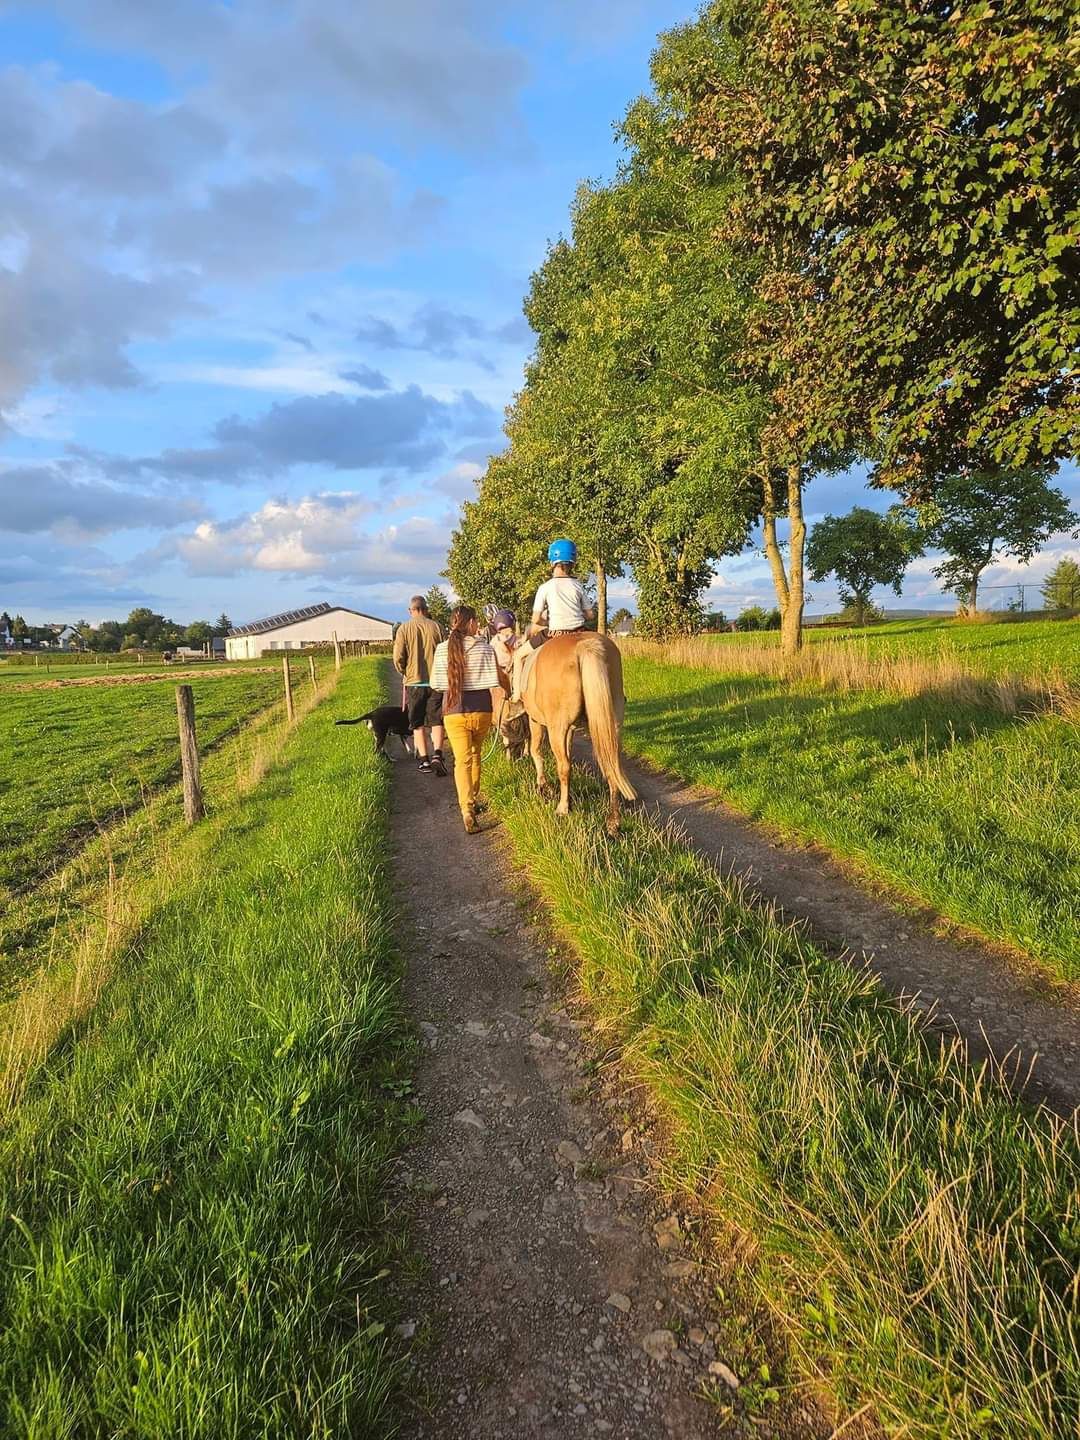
(386,720)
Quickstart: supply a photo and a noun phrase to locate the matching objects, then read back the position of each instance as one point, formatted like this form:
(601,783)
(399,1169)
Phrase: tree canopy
(862,549)
(975,519)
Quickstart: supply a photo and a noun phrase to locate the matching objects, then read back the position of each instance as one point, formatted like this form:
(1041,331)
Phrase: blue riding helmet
(503,620)
(562,552)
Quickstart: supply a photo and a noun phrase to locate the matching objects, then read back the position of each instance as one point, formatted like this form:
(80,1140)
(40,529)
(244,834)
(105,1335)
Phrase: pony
(576,679)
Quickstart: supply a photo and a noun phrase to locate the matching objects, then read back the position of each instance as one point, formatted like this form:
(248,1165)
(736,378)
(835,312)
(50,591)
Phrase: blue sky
(261,266)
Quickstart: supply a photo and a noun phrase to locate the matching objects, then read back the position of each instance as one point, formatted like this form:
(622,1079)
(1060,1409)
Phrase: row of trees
(840,233)
(144,629)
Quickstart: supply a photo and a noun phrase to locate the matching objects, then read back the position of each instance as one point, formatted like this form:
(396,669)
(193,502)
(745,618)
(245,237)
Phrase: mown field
(965,807)
(72,757)
(914,1230)
(194,1238)
(76,667)
(1041,648)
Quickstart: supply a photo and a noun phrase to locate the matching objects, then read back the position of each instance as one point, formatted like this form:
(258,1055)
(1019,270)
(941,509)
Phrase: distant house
(58,636)
(624,627)
(295,629)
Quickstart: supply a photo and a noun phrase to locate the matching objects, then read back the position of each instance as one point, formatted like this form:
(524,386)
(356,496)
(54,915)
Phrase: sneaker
(437,765)
(425,766)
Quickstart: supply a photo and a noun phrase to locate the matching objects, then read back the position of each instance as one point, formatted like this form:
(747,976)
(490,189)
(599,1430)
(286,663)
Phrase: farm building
(293,630)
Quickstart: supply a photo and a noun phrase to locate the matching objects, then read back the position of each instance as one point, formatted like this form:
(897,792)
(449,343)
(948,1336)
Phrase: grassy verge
(918,1233)
(1003,645)
(193,1238)
(969,809)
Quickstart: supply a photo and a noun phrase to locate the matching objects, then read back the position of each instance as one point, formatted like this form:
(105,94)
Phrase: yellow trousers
(466,734)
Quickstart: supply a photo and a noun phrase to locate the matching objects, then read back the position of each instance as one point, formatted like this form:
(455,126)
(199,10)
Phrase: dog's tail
(358,721)
(600,710)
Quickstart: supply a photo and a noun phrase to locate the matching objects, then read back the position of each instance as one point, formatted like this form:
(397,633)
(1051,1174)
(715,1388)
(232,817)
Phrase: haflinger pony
(576,679)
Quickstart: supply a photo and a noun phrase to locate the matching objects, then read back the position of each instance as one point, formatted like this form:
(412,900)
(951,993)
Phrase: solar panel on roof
(287,617)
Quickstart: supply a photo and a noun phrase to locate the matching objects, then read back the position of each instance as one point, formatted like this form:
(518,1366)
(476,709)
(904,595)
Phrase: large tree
(1061,588)
(975,519)
(862,549)
(908,169)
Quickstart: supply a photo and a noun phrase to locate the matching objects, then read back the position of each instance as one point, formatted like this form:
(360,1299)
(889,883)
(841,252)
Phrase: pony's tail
(603,730)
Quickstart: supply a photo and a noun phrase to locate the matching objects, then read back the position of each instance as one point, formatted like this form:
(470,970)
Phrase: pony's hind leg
(536,743)
(561,741)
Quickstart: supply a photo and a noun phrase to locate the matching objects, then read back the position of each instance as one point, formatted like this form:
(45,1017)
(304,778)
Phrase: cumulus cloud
(439,330)
(320,535)
(49,497)
(390,430)
(115,214)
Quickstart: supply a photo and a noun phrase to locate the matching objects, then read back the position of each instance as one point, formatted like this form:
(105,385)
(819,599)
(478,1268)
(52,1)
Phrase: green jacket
(414,649)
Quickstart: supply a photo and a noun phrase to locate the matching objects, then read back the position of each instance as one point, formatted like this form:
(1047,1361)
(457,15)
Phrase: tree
(862,549)
(1061,588)
(222,625)
(497,554)
(198,632)
(621,614)
(19,628)
(912,166)
(753,617)
(438,606)
(976,518)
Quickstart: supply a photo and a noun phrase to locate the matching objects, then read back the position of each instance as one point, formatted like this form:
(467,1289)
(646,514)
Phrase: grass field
(194,1240)
(1040,648)
(76,667)
(73,757)
(916,1231)
(969,809)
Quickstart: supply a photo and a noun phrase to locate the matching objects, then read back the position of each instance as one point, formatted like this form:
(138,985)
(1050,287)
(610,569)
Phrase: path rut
(964,988)
(564,1298)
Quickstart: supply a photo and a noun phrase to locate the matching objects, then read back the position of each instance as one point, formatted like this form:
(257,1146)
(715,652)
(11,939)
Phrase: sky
(261,270)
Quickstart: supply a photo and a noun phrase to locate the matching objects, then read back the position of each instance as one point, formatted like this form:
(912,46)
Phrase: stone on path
(659,1344)
(470,1119)
(619,1301)
(722,1372)
(668,1234)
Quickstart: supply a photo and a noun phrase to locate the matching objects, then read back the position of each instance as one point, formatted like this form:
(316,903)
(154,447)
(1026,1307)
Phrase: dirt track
(547,1282)
(1028,1025)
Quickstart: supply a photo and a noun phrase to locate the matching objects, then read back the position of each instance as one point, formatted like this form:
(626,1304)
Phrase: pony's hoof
(562,809)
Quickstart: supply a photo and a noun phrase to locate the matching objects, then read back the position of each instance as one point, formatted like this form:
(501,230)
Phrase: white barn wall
(315,630)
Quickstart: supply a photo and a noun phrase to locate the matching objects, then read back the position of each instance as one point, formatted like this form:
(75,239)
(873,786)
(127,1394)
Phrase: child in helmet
(561,602)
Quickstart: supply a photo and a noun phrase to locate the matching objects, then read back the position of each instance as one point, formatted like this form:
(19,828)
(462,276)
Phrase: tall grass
(917,1231)
(854,665)
(194,1240)
(962,805)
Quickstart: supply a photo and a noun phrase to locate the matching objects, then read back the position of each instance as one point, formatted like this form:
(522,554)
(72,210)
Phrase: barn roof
(292,617)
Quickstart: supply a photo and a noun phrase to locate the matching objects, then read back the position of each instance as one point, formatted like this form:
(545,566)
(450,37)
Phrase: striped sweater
(481,674)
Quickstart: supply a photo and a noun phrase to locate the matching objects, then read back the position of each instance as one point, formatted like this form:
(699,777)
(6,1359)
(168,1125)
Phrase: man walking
(414,652)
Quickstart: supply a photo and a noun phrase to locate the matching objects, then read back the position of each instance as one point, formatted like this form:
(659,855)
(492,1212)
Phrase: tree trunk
(601,596)
(772,546)
(792,613)
(973,594)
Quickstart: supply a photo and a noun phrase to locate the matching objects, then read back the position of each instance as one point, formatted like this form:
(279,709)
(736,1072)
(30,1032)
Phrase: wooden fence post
(337,652)
(314,677)
(189,755)
(290,709)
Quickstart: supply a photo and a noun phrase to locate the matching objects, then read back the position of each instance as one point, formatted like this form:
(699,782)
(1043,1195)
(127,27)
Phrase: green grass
(193,1238)
(52,668)
(72,757)
(918,1232)
(1038,648)
(970,810)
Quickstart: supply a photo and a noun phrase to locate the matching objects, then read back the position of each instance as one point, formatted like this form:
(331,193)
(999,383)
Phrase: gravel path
(561,1295)
(1029,1025)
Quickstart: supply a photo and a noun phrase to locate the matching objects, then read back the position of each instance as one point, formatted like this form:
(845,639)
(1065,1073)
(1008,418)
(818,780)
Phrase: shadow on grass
(747,715)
